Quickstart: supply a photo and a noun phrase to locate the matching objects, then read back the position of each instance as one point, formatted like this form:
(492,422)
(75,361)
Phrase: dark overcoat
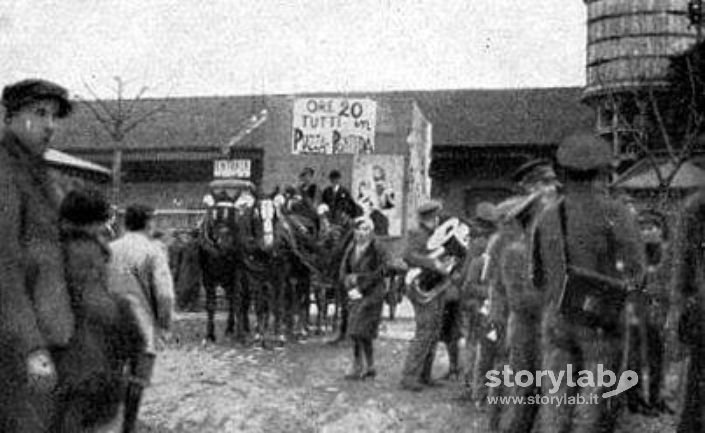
(35,310)
(688,287)
(106,336)
(370,268)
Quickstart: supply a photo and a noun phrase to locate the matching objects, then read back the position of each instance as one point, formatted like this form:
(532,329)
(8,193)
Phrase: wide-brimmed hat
(15,96)
(584,151)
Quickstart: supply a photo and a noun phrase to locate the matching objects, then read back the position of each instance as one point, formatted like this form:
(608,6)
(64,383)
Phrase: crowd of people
(558,280)
(79,310)
(550,278)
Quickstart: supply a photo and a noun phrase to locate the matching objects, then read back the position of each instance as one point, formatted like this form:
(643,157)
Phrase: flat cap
(429,207)
(15,96)
(534,170)
(584,151)
(485,212)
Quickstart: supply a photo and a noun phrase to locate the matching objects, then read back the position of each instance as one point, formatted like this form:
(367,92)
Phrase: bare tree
(119,118)
(664,123)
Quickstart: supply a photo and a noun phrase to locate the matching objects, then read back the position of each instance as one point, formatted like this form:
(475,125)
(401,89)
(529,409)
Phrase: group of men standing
(523,290)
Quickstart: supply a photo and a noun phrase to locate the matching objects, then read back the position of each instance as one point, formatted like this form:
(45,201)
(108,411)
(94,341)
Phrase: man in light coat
(139,272)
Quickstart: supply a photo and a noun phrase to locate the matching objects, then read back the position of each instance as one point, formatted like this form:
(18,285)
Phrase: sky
(231,47)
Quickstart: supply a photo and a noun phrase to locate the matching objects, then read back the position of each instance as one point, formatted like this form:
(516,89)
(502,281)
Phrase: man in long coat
(688,299)
(538,180)
(586,229)
(36,320)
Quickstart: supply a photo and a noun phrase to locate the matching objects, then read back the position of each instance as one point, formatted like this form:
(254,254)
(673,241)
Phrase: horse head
(219,228)
(267,214)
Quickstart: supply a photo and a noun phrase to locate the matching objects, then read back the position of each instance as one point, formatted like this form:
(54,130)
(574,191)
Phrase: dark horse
(222,248)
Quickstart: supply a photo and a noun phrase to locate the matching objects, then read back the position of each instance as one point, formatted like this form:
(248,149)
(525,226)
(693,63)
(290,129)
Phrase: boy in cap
(587,230)
(36,320)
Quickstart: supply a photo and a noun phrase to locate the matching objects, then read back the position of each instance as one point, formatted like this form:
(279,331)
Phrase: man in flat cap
(36,320)
(427,312)
(585,230)
(534,173)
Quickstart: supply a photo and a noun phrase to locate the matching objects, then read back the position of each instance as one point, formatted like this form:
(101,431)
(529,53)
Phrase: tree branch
(101,103)
(105,123)
(661,123)
(132,125)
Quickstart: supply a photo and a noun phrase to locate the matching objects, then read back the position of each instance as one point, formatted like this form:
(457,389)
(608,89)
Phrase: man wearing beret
(36,320)
(428,313)
(586,230)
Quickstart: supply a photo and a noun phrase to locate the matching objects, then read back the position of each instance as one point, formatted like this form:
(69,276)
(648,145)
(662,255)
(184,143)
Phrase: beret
(534,170)
(584,151)
(16,96)
(429,207)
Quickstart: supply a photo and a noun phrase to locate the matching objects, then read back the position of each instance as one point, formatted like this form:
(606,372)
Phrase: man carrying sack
(587,250)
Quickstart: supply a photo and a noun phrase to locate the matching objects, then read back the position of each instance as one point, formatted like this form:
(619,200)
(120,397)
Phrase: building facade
(459,146)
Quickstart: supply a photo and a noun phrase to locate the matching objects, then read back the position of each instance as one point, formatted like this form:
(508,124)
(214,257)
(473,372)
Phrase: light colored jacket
(139,272)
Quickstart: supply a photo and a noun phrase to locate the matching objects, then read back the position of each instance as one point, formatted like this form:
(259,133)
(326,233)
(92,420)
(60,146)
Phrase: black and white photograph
(338,216)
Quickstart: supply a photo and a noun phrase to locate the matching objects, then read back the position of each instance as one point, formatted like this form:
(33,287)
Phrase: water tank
(629,42)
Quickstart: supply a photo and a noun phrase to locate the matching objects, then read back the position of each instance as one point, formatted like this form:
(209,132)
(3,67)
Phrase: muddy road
(225,387)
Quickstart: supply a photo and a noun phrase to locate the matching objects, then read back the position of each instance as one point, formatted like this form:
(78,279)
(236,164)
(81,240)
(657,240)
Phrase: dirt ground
(224,387)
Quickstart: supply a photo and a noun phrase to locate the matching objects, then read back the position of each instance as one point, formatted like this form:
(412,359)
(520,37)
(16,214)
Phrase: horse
(221,250)
(333,238)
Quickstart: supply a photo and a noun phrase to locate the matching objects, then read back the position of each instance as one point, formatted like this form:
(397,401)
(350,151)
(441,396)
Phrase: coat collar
(18,150)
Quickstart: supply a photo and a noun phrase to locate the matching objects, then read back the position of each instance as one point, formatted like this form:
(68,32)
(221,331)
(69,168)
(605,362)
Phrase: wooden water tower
(629,43)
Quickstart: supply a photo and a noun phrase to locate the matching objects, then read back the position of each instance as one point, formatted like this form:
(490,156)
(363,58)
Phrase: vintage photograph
(333,216)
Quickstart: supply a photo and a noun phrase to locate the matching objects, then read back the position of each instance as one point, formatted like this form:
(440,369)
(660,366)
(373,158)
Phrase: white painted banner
(334,125)
(229,168)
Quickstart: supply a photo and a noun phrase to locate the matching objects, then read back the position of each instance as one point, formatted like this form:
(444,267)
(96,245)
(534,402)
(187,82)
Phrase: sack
(588,297)
(592,299)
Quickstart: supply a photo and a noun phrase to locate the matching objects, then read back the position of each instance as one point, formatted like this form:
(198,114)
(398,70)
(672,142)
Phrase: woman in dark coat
(363,270)
(91,387)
